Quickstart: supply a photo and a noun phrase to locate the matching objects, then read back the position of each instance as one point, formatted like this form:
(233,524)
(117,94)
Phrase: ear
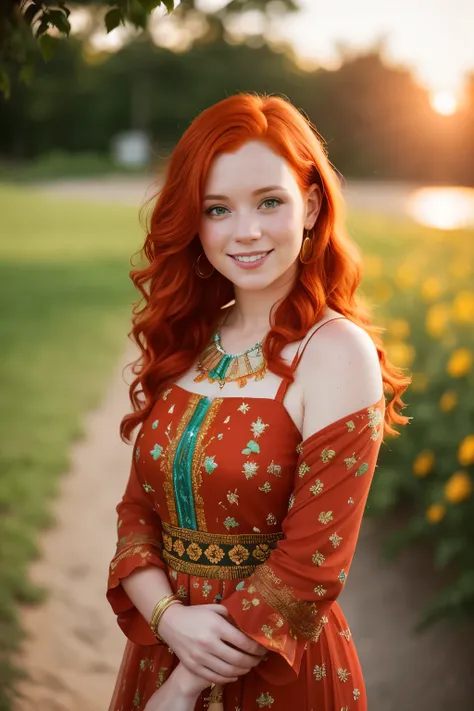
(313,205)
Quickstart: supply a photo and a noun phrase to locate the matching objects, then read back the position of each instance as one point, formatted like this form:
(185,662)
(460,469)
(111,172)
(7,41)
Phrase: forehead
(252,166)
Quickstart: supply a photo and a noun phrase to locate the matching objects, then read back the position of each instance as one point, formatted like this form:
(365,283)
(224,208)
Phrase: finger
(212,677)
(235,656)
(216,665)
(241,641)
(220,609)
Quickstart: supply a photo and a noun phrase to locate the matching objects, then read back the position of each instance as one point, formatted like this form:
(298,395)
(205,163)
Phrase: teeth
(253,258)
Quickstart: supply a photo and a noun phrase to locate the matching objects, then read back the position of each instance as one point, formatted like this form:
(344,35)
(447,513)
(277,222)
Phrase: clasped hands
(211,651)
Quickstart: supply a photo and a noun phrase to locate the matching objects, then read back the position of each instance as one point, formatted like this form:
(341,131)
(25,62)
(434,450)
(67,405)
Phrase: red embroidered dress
(225,497)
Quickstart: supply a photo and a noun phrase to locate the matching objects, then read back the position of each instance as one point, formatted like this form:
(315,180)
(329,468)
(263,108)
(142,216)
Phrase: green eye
(274,200)
(209,211)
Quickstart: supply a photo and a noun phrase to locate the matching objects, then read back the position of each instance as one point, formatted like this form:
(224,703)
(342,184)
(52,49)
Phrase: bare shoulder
(339,374)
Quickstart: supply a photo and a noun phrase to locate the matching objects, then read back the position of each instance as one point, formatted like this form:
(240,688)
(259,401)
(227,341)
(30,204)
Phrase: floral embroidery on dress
(363,469)
(303,469)
(258,427)
(206,588)
(274,469)
(356,693)
(266,487)
(350,426)
(350,461)
(252,447)
(318,558)
(271,520)
(238,554)
(335,540)
(244,408)
(233,497)
(343,674)
(325,517)
(154,425)
(156,452)
(249,469)
(375,422)
(319,672)
(317,487)
(148,488)
(209,464)
(327,454)
(342,576)
(265,700)
(230,522)
(320,590)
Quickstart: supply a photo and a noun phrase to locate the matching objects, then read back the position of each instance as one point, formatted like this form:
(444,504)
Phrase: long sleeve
(285,603)
(139,544)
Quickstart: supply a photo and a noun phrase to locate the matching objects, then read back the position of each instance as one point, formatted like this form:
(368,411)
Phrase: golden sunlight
(444,102)
(446,208)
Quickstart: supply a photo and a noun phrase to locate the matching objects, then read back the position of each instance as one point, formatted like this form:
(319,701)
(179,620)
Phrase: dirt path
(74,646)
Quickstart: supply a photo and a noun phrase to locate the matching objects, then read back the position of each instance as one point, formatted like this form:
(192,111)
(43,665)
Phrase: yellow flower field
(419,282)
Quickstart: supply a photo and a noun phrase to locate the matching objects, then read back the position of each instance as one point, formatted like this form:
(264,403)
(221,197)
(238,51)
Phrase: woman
(259,393)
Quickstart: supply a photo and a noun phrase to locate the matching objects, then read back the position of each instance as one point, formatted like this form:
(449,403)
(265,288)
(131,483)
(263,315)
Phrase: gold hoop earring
(198,270)
(306,251)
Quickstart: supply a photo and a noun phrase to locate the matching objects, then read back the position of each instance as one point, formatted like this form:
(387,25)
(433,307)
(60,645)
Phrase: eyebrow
(255,192)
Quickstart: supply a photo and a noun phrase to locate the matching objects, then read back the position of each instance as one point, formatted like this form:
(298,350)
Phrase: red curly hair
(173,321)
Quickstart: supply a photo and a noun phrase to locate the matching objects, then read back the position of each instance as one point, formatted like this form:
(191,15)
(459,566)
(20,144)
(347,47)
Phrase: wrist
(159,610)
(165,623)
(181,680)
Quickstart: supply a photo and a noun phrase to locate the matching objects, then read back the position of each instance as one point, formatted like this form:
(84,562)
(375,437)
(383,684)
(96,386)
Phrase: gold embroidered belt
(216,555)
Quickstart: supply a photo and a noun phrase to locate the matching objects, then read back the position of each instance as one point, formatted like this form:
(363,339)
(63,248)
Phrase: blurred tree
(25,23)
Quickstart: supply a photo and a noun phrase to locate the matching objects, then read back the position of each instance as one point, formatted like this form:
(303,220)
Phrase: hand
(201,638)
(180,692)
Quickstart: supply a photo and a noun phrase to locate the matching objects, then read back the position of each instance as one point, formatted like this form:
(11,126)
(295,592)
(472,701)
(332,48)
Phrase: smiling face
(253,217)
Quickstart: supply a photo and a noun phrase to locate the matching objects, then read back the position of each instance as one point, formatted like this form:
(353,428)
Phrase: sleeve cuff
(263,624)
(129,619)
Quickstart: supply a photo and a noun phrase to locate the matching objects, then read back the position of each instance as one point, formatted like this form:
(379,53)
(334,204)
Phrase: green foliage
(65,298)
(23,23)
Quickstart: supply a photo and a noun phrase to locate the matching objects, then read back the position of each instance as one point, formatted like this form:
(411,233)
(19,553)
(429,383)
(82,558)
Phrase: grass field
(64,313)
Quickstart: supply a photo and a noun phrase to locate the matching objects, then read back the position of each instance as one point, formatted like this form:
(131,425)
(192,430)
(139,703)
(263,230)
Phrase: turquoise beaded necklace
(216,364)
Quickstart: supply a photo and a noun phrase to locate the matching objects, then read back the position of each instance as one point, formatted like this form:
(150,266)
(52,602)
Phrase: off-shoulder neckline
(302,442)
(342,421)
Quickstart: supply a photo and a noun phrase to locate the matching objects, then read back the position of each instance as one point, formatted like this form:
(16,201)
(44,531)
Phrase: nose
(247,229)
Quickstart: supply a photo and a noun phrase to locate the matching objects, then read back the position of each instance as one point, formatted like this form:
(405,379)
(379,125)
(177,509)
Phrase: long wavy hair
(173,321)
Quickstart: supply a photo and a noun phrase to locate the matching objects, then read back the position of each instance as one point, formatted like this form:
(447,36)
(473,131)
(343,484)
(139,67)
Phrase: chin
(256,282)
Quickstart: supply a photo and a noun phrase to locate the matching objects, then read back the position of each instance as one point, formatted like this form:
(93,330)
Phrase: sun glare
(444,102)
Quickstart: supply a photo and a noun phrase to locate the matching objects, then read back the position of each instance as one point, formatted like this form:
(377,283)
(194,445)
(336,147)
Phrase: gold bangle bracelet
(158,611)
(163,610)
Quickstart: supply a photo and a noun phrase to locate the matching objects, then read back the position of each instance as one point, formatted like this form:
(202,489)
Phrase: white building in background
(131,149)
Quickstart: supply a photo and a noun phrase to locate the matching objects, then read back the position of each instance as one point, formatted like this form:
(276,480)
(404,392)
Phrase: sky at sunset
(434,37)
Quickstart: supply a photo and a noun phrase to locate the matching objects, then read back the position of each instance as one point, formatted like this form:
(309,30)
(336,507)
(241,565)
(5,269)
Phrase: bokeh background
(86,126)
